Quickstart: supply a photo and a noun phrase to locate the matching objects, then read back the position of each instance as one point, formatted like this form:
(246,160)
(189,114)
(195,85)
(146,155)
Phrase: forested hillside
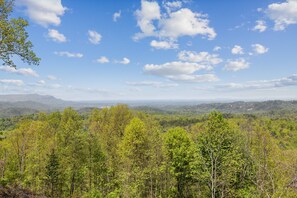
(26,104)
(119,152)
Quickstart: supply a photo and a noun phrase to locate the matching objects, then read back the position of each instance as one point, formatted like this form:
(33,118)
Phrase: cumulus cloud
(283,14)
(51,77)
(264,84)
(201,57)
(102,59)
(44,12)
(180,71)
(217,48)
(12,82)
(174,24)
(149,12)
(236,65)
(260,26)
(184,22)
(78,91)
(125,61)
(163,44)
(116,16)
(190,62)
(56,36)
(20,71)
(55,86)
(195,78)
(173,5)
(94,37)
(41,82)
(174,68)
(237,49)
(69,54)
(155,84)
(259,49)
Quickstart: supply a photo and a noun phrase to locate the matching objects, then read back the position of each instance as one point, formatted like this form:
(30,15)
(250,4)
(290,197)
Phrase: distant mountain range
(273,106)
(15,105)
(20,104)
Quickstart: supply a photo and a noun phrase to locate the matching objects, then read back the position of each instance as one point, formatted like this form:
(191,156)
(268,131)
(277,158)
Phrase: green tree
(96,163)
(180,152)
(221,156)
(14,38)
(109,125)
(53,174)
(72,150)
(133,150)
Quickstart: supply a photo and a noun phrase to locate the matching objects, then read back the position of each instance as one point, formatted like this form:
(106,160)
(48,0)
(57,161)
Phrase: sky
(158,50)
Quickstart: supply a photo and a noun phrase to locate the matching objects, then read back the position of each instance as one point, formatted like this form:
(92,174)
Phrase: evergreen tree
(53,174)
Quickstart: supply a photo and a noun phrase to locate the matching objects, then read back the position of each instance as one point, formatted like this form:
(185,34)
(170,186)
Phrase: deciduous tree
(14,37)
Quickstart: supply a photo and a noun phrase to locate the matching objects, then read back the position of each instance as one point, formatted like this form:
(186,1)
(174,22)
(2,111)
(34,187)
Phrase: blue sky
(135,50)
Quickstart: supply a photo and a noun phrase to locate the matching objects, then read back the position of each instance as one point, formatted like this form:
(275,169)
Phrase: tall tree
(109,125)
(180,152)
(72,150)
(221,156)
(133,150)
(14,38)
(53,174)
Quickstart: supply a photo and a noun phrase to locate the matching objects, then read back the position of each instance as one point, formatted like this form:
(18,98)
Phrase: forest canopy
(119,152)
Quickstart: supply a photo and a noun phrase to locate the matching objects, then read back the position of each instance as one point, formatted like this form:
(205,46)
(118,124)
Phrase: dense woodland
(118,152)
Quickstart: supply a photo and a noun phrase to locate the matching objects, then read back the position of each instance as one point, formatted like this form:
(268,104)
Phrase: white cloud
(189,43)
(20,71)
(173,5)
(163,44)
(41,82)
(184,22)
(94,37)
(195,78)
(264,84)
(12,82)
(149,12)
(283,14)
(237,50)
(55,86)
(217,48)
(125,61)
(44,12)
(174,68)
(260,26)
(51,77)
(259,49)
(56,36)
(236,65)
(201,57)
(116,16)
(155,84)
(102,60)
(69,54)
(172,25)
(180,71)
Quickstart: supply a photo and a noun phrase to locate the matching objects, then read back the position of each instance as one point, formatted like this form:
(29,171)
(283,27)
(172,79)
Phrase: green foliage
(116,152)
(133,150)
(14,38)
(221,156)
(53,174)
(180,152)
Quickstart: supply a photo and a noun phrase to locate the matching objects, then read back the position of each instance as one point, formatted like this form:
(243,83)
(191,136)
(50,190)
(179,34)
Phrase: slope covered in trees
(119,152)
